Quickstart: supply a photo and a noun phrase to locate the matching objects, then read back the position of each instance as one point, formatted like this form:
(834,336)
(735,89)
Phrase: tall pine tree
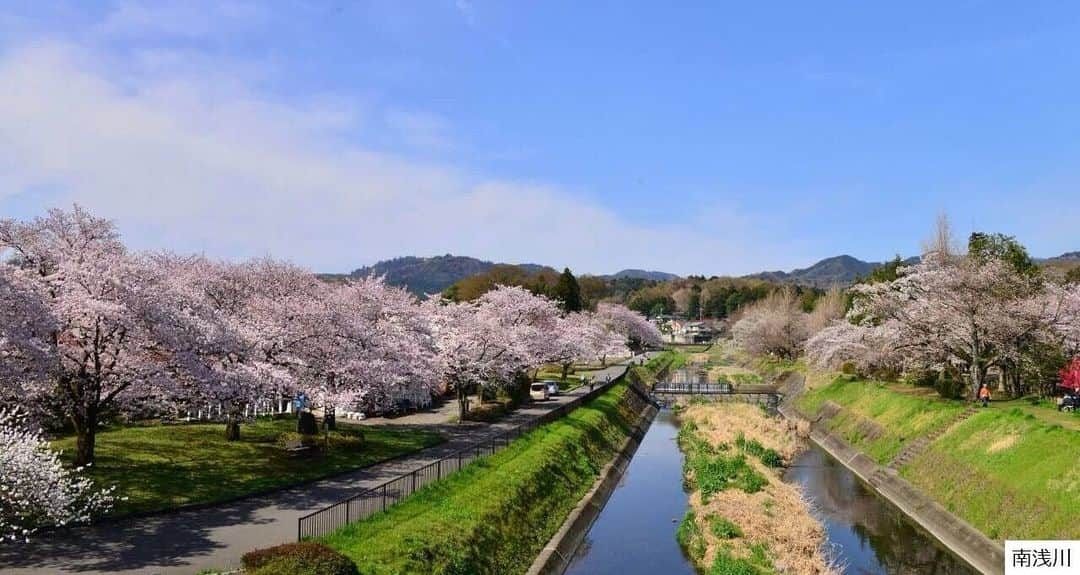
(568,291)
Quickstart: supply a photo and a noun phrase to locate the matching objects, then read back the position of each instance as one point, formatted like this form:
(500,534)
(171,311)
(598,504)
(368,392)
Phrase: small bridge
(668,392)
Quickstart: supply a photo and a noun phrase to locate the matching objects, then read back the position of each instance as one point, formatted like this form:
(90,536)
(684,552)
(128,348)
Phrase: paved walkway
(215,537)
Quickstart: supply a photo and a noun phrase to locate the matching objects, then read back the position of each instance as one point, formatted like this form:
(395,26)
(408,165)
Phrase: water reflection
(635,533)
(867,534)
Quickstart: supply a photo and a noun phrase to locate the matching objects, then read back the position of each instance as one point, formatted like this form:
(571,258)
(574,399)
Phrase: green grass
(880,418)
(1045,409)
(495,515)
(723,528)
(690,537)
(1008,473)
(161,467)
(1010,470)
(711,470)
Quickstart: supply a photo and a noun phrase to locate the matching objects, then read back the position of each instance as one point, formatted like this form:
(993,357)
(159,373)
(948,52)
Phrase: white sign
(1042,557)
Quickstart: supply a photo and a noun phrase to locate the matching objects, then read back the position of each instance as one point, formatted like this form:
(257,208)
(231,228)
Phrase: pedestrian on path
(984,395)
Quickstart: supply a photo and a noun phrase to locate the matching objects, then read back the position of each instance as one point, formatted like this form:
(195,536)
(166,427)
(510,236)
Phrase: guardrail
(383,496)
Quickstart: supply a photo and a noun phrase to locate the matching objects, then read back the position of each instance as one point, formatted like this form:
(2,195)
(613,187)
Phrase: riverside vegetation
(743,519)
(1010,471)
(496,514)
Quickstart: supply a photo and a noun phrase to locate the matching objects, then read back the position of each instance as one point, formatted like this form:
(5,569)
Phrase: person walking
(984,395)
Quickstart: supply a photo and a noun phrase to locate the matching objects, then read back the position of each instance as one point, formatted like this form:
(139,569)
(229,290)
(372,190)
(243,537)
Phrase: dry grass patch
(768,527)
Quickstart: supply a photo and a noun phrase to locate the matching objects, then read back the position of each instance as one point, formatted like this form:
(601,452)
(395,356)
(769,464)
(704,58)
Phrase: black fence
(382,497)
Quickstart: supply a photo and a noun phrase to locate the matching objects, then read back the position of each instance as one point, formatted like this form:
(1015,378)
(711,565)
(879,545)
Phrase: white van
(538,391)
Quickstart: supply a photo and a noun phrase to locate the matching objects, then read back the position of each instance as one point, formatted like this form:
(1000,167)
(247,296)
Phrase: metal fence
(381,497)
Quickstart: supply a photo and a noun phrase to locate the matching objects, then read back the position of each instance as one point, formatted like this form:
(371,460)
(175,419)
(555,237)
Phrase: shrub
(769,456)
(689,536)
(288,437)
(725,564)
(724,528)
(849,368)
(303,558)
(306,423)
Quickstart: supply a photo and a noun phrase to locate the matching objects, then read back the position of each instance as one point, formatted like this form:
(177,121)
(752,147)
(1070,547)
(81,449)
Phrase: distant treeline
(694,296)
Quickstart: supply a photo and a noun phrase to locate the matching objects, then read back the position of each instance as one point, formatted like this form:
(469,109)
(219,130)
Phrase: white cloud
(183,163)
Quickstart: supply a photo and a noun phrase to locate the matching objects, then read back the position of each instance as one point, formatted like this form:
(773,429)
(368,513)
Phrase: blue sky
(694,138)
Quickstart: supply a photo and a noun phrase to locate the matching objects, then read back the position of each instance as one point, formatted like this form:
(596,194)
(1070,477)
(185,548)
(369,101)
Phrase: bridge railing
(693,388)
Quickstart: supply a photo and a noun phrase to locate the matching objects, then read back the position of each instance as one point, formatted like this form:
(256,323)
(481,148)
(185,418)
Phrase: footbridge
(669,392)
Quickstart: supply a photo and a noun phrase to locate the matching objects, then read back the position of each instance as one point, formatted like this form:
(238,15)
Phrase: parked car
(538,391)
(553,387)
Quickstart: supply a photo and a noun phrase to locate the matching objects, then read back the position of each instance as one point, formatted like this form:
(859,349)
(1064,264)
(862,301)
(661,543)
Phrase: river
(866,534)
(635,532)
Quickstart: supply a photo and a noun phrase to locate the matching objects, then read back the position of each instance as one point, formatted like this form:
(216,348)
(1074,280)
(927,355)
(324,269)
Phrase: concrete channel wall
(560,549)
(982,553)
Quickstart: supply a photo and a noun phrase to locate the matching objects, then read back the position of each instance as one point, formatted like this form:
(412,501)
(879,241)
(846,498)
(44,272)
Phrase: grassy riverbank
(743,519)
(1008,471)
(160,467)
(496,515)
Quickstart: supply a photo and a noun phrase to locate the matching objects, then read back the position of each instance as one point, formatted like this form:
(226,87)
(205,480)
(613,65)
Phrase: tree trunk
(463,402)
(232,424)
(978,377)
(565,369)
(330,418)
(86,436)
(232,430)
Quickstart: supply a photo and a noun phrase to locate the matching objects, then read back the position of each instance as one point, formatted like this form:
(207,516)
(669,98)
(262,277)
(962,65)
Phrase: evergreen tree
(568,291)
(693,308)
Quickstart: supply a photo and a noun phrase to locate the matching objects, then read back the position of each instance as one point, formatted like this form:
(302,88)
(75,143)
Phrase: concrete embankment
(559,551)
(960,537)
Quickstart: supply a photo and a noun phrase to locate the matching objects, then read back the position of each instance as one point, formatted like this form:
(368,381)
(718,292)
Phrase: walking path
(216,537)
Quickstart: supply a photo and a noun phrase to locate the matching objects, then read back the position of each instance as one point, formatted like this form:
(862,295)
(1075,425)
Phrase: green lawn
(495,515)
(164,466)
(1044,409)
(1011,470)
(879,418)
(1008,473)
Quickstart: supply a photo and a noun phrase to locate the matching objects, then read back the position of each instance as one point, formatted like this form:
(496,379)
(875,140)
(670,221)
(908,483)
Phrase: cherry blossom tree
(35,488)
(118,339)
(579,337)
(382,346)
(954,310)
(870,348)
(236,309)
(637,331)
(25,326)
(484,343)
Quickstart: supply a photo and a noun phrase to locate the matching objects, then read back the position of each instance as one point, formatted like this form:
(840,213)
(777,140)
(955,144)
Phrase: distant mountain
(424,275)
(835,271)
(1065,258)
(643,275)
